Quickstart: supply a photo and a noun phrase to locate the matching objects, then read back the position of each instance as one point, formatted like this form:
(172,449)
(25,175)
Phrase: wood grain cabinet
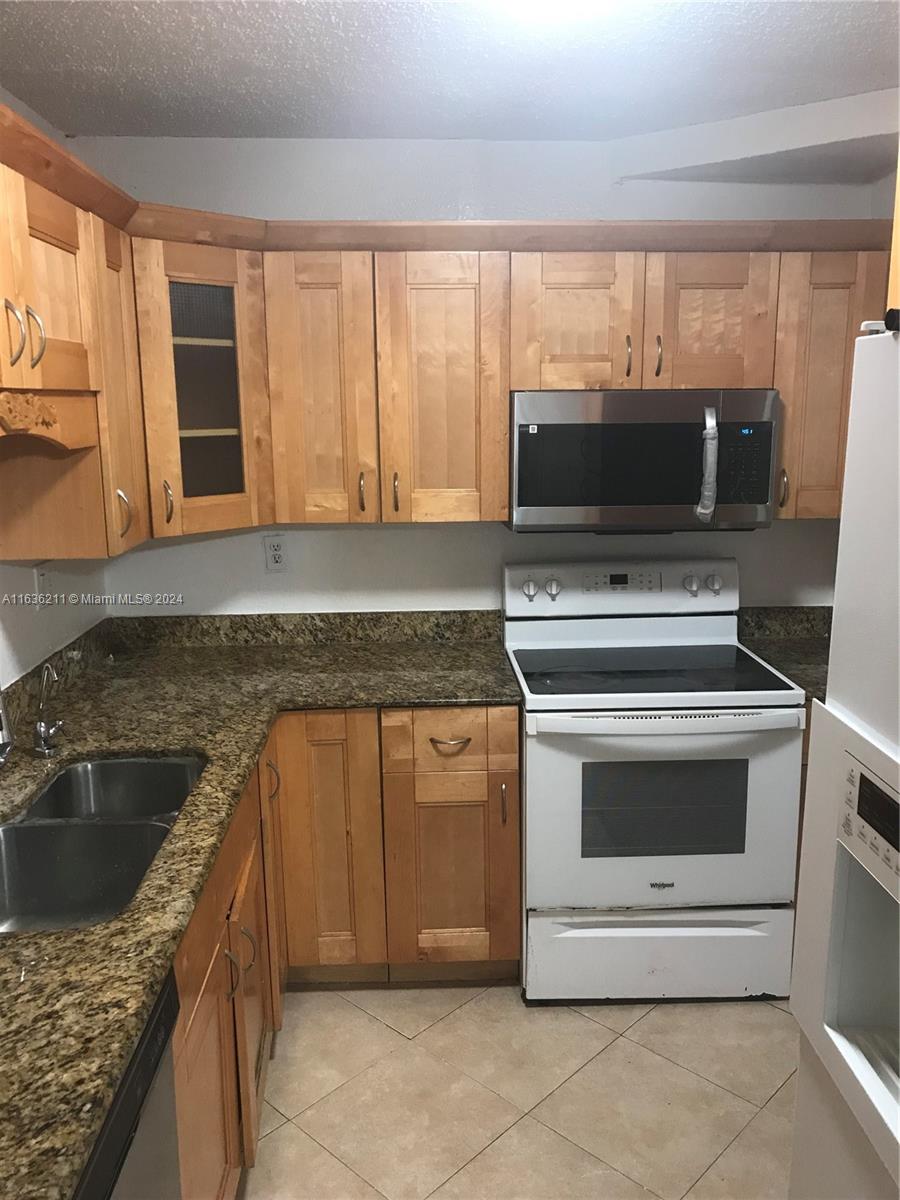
(47,280)
(249,947)
(576,320)
(709,320)
(201,320)
(117,376)
(331,822)
(273,869)
(442,322)
(451,831)
(822,300)
(320,324)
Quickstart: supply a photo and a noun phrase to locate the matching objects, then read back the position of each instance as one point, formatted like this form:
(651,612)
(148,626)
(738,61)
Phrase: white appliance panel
(739,779)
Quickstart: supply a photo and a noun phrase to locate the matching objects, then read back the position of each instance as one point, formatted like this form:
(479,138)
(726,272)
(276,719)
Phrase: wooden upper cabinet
(823,298)
(48,289)
(576,320)
(119,410)
(321,335)
(451,834)
(331,823)
(442,323)
(709,320)
(201,320)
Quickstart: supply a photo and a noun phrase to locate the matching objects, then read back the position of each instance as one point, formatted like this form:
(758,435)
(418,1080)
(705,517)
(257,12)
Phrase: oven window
(661,808)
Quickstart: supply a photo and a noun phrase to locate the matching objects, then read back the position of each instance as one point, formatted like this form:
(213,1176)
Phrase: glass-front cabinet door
(203,362)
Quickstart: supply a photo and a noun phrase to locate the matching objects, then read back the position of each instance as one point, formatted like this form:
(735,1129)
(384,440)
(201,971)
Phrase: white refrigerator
(844,990)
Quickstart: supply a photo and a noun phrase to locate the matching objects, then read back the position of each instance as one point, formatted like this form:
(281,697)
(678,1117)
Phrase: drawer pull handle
(785,488)
(504,805)
(659,357)
(457,745)
(628,352)
(122,496)
(170,501)
(362,491)
(276,775)
(395,487)
(234,962)
(39,353)
(252,940)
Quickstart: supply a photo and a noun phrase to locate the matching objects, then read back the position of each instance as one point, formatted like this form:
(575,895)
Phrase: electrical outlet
(276,553)
(44,583)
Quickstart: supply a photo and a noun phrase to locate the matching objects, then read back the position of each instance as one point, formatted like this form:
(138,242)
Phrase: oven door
(661,809)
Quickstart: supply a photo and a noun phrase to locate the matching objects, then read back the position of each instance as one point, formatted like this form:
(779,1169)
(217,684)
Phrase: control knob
(552,587)
(691,584)
(714,583)
(530,588)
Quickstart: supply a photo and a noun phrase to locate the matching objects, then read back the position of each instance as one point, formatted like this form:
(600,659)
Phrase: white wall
(446,567)
(28,635)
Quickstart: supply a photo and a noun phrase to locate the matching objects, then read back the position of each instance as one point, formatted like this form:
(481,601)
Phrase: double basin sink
(78,853)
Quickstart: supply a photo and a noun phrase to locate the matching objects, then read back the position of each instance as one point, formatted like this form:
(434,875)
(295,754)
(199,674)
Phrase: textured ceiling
(382,68)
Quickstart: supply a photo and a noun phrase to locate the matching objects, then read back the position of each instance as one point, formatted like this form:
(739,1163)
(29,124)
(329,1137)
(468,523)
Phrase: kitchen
(437,635)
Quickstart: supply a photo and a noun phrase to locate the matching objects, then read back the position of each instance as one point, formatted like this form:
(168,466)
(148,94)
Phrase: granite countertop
(803,659)
(74,1003)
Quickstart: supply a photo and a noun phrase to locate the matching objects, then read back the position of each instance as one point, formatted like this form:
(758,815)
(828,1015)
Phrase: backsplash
(21,697)
(784,622)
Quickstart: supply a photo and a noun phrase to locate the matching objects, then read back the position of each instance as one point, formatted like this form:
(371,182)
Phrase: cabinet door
(576,320)
(709,320)
(206,1096)
(248,943)
(273,869)
(119,410)
(333,852)
(201,321)
(452,846)
(822,300)
(443,385)
(49,244)
(320,323)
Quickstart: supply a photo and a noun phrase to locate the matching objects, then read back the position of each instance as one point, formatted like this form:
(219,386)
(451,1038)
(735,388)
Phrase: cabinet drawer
(450,739)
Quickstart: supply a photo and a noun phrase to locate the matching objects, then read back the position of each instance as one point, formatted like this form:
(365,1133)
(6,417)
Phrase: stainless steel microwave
(644,460)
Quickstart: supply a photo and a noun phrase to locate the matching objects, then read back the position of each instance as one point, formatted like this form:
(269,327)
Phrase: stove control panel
(621,588)
(869,822)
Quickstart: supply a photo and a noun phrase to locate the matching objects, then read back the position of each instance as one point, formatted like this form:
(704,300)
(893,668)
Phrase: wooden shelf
(201,433)
(192,341)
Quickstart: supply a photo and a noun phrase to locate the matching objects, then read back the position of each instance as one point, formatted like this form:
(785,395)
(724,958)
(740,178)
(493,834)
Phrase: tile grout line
(336,1157)
(468,1163)
(412,1038)
(706,1170)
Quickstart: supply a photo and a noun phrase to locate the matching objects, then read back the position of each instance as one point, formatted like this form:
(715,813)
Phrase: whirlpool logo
(662,884)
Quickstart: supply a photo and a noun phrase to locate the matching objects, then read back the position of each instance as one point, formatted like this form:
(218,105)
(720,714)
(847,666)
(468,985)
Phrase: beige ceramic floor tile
(748,1047)
(531,1162)
(784,1005)
(410,1010)
(756,1166)
(325,1041)
(269,1118)
(648,1118)
(521,1052)
(614,1016)
(408,1122)
(784,1101)
(291,1166)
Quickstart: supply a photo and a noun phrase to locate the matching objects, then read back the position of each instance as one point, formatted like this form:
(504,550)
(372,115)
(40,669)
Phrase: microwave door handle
(706,505)
(665,726)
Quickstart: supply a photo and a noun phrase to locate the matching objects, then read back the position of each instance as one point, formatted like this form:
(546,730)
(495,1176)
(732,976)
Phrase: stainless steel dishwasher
(135,1156)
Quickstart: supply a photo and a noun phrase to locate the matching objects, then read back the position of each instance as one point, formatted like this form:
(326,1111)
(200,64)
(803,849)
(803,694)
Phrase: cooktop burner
(645,669)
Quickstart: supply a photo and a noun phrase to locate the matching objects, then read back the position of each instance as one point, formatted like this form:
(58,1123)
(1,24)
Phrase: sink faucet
(45,730)
(7,738)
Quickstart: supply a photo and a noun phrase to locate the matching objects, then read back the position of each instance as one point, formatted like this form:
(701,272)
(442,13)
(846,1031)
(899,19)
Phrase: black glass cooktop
(622,669)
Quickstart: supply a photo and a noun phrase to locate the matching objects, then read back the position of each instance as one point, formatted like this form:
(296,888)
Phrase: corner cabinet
(442,322)
(709,320)
(201,319)
(577,320)
(823,299)
(321,341)
(451,833)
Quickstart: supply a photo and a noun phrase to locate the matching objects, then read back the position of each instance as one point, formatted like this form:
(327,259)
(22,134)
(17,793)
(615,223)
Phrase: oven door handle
(666,724)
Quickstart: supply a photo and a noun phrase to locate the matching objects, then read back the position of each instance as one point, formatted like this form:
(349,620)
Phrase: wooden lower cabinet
(331,828)
(273,872)
(451,833)
(249,948)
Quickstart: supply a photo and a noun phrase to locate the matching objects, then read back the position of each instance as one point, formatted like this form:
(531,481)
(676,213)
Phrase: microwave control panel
(869,822)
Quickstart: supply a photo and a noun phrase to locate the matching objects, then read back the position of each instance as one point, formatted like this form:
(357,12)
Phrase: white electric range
(661,784)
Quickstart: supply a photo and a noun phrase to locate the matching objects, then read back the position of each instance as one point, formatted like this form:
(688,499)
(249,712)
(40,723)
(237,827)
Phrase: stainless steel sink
(118,789)
(60,874)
